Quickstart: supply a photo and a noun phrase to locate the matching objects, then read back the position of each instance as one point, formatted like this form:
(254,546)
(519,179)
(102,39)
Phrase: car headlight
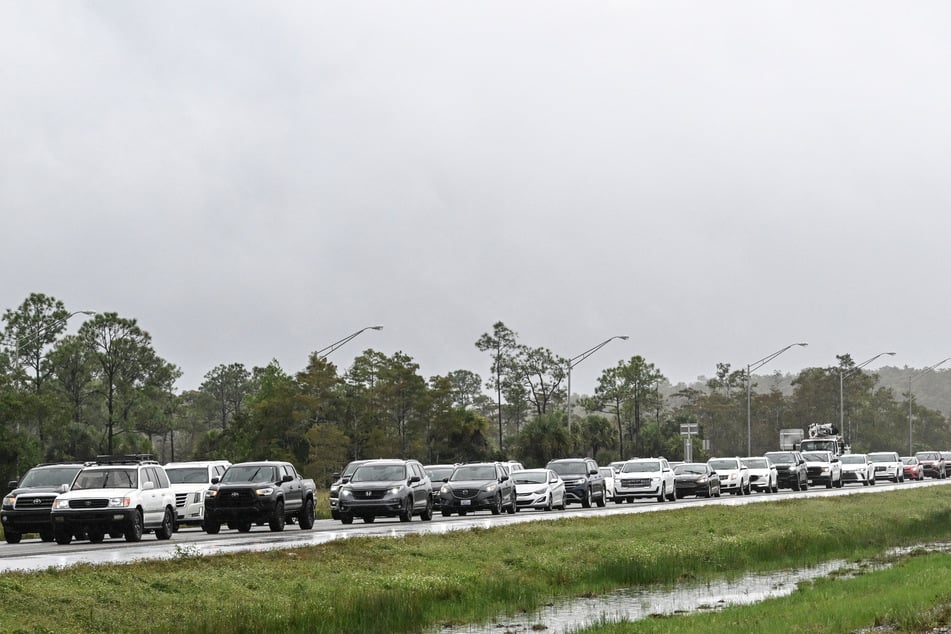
(265,492)
(211,493)
(540,490)
(60,504)
(197,497)
(346,493)
(702,480)
(444,489)
(394,490)
(120,503)
(491,488)
(9,501)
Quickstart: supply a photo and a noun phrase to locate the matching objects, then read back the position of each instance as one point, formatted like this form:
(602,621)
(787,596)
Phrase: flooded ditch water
(684,598)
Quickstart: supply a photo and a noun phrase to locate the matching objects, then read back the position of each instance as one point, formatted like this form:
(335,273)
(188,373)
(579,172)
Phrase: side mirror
(148,486)
(63,488)
(12,484)
(503,478)
(215,480)
(413,479)
(335,476)
(287,478)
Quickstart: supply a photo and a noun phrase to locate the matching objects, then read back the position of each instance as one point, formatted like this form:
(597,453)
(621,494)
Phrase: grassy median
(412,583)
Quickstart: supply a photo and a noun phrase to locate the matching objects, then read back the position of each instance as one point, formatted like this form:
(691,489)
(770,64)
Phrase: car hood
(375,484)
(188,487)
(691,477)
(34,490)
(530,486)
(470,484)
(244,485)
(86,493)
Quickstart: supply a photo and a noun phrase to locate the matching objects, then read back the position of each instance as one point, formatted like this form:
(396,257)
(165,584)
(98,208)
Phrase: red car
(913,469)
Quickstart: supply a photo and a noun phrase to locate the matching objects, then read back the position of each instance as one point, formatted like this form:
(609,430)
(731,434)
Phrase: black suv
(478,486)
(791,470)
(583,480)
(26,509)
(386,488)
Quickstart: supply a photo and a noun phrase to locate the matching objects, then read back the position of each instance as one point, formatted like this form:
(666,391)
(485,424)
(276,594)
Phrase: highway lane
(33,554)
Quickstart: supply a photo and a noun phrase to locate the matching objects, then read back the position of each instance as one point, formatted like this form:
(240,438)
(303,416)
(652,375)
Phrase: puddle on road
(639,603)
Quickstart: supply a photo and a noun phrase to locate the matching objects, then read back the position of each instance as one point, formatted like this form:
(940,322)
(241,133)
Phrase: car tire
(406,513)
(306,518)
(46,535)
(211,527)
(168,526)
(618,500)
(368,519)
(497,505)
(346,518)
(427,514)
(673,494)
(548,505)
(586,501)
(134,529)
(602,499)
(446,513)
(277,519)
(63,536)
(96,536)
(243,527)
(12,536)
(663,493)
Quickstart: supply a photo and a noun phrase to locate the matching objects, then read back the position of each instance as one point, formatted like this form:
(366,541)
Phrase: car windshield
(187,475)
(812,456)
(882,457)
(690,469)
(350,468)
(928,455)
(250,473)
(607,472)
(107,479)
(531,477)
(438,474)
(719,465)
(569,468)
(641,467)
(756,463)
(379,473)
(782,458)
(473,472)
(853,459)
(49,477)
(909,460)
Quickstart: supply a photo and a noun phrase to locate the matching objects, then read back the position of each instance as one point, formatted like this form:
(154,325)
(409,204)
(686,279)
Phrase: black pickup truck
(257,492)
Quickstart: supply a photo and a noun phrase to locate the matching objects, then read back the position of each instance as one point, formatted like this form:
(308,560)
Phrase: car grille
(180,499)
(465,494)
(639,482)
(882,468)
(814,471)
(89,504)
(29,502)
(235,497)
(369,494)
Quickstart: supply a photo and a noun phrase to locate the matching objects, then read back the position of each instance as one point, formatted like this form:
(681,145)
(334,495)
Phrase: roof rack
(132,458)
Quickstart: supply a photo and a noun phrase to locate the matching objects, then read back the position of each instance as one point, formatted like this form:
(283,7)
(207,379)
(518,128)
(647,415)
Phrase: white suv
(645,478)
(118,495)
(189,481)
(734,475)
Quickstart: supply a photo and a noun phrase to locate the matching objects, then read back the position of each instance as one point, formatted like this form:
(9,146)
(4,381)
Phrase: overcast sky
(256,180)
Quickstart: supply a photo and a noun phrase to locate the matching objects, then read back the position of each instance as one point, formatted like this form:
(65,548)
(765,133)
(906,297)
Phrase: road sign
(690,429)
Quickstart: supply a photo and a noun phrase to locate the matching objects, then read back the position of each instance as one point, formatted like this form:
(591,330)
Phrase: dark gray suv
(386,488)
(583,480)
(478,486)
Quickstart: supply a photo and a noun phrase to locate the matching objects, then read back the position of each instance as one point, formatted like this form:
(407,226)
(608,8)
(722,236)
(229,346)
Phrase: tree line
(106,390)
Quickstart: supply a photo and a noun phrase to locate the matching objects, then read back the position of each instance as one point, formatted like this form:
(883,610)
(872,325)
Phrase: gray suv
(478,486)
(386,488)
(583,480)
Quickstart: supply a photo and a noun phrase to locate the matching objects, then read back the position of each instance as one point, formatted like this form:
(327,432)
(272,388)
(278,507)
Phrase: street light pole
(323,353)
(573,361)
(842,376)
(749,391)
(910,379)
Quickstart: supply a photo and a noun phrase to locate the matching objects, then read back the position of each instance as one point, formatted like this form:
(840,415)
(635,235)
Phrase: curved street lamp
(749,390)
(324,352)
(842,376)
(573,361)
(910,379)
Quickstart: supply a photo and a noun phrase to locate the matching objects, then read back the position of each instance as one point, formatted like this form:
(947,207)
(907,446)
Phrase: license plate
(465,502)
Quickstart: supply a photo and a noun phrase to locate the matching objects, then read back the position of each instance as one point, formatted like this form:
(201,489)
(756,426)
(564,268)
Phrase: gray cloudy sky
(256,180)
